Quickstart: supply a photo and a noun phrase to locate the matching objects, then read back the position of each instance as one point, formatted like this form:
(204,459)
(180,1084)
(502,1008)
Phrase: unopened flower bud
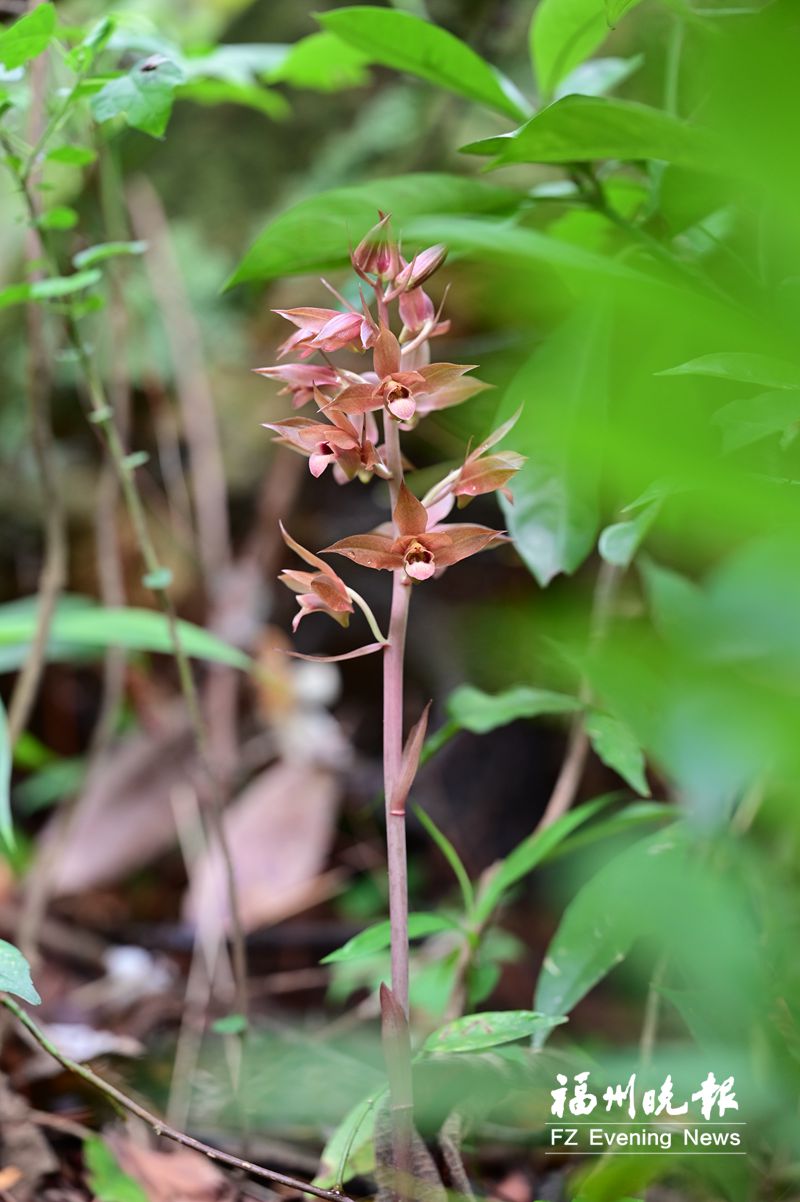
(377,253)
(421,267)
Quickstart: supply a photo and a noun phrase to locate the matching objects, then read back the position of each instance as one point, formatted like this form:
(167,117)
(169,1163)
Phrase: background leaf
(563,34)
(616,745)
(105,1177)
(6,828)
(143,97)
(378,937)
(27,37)
(480,712)
(15,974)
(475,1032)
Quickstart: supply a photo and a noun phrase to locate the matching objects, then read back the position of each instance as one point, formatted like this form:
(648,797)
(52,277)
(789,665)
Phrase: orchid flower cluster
(344,433)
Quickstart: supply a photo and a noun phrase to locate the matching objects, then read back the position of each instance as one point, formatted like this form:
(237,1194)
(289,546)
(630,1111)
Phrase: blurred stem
(652,1012)
(123,1102)
(400,1085)
(102,416)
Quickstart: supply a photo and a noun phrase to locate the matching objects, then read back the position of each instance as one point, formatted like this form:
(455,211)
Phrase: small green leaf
(478,1031)
(563,34)
(135,460)
(318,233)
(349,1151)
(72,156)
(27,37)
(619,543)
(480,712)
(15,974)
(60,218)
(617,747)
(211,92)
(580,129)
(753,418)
(159,579)
(452,857)
(50,289)
(407,43)
(6,760)
(742,367)
(231,1024)
(378,937)
(143,97)
(107,250)
(322,62)
(105,1178)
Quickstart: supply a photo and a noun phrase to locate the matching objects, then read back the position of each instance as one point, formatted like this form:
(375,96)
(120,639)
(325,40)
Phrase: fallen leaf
(124,818)
(279,831)
(175,1176)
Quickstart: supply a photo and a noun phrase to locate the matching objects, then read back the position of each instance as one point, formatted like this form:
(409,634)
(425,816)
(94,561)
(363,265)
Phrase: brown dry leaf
(279,831)
(124,818)
(175,1176)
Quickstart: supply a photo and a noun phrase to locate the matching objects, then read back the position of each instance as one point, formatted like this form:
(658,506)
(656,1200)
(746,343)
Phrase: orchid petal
(410,515)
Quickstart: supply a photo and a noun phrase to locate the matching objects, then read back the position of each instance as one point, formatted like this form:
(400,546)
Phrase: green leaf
(50,289)
(15,974)
(602,921)
(62,217)
(143,97)
(530,853)
(407,43)
(480,712)
(563,34)
(348,1152)
(323,63)
(619,543)
(107,250)
(598,77)
(90,626)
(753,418)
(742,367)
(554,518)
(378,937)
(318,233)
(452,857)
(230,1024)
(580,129)
(27,37)
(478,1031)
(72,156)
(6,760)
(617,8)
(617,747)
(105,1178)
(212,92)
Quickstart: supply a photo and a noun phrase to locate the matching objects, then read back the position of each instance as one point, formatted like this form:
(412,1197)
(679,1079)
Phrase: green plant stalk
(102,416)
(125,1103)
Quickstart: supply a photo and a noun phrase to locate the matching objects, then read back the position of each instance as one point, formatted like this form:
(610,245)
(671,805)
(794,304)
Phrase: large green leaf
(563,34)
(753,418)
(77,627)
(27,37)
(318,233)
(475,1032)
(742,366)
(143,96)
(580,129)
(322,62)
(15,974)
(407,43)
(563,388)
(480,712)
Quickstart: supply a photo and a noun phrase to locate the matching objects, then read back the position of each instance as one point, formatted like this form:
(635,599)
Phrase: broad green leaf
(742,367)
(89,626)
(617,747)
(480,712)
(6,760)
(50,289)
(349,1151)
(143,97)
(580,129)
(378,937)
(72,156)
(27,37)
(318,233)
(323,63)
(598,77)
(478,1031)
(408,43)
(107,250)
(15,974)
(105,1178)
(62,217)
(231,62)
(617,8)
(619,543)
(452,857)
(602,921)
(563,34)
(753,418)
(211,92)
(563,387)
(530,853)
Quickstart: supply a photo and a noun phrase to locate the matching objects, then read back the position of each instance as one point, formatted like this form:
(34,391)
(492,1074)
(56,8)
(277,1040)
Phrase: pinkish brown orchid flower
(377,254)
(320,591)
(482,473)
(338,441)
(420,269)
(418,550)
(406,394)
(327,330)
(301,379)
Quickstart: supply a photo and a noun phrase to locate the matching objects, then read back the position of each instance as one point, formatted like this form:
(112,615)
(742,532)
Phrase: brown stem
(156,1124)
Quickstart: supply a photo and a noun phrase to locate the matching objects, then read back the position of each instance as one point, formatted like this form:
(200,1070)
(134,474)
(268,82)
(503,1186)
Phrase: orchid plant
(356,431)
